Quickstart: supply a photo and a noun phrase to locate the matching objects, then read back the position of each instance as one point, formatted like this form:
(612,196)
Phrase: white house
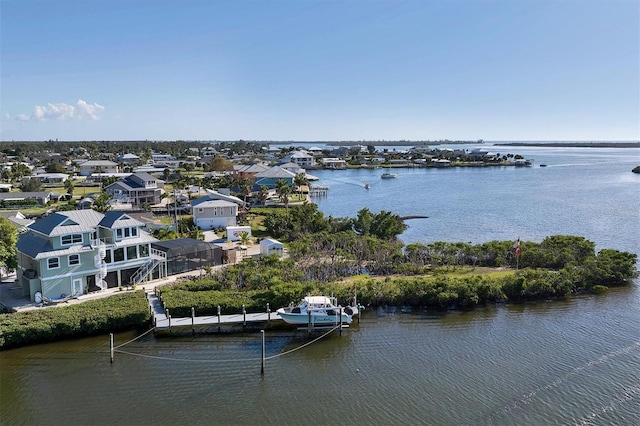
(303,159)
(89,167)
(211,213)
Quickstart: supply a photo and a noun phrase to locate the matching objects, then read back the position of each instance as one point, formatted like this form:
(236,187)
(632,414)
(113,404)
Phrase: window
(107,258)
(134,232)
(132,252)
(144,250)
(53,263)
(127,232)
(71,239)
(119,234)
(118,255)
(74,259)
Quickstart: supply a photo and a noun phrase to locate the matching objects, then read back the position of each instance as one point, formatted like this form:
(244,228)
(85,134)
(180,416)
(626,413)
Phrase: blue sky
(320,70)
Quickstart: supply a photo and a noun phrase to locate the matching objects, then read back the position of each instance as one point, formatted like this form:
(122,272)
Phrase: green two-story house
(75,252)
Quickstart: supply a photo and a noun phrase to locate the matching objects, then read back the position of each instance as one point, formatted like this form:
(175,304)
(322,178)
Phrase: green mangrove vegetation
(344,257)
(363,256)
(116,313)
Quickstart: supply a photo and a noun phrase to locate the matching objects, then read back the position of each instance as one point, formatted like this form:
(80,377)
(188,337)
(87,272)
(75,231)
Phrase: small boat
(320,310)
(543,165)
(387,175)
(366,185)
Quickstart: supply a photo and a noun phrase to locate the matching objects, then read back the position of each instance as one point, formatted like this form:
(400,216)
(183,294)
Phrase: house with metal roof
(75,252)
(210,212)
(87,168)
(137,189)
(270,177)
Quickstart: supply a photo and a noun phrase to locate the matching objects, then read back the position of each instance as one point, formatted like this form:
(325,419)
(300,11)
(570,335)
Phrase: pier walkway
(165,323)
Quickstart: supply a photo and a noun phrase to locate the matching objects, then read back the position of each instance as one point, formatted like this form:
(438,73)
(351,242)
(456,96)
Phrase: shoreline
(574,144)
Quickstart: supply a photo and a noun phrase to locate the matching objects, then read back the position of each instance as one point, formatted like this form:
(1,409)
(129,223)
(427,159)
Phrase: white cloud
(63,112)
(91,111)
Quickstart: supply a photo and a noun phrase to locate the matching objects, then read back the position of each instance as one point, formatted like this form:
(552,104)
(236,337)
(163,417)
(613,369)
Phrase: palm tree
(263,194)
(284,190)
(245,188)
(300,180)
(196,233)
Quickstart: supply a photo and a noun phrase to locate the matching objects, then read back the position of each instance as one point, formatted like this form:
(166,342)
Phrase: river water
(574,362)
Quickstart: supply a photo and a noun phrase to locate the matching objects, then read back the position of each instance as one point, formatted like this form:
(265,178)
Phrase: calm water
(574,362)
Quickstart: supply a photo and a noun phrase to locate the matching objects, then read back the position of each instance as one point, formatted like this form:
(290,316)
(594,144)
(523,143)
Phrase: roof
(97,163)
(67,222)
(253,168)
(276,172)
(205,202)
(123,220)
(23,195)
(215,195)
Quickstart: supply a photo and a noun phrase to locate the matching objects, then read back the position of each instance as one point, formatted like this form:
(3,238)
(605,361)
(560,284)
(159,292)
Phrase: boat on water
(366,185)
(387,175)
(320,310)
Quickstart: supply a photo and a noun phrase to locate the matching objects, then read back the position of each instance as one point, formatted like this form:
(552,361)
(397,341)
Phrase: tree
(283,189)
(31,185)
(20,170)
(101,203)
(55,168)
(219,164)
(245,186)
(7,175)
(196,233)
(263,194)
(68,185)
(300,180)
(8,239)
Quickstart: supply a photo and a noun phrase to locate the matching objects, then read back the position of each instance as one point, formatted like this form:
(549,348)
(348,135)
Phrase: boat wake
(529,398)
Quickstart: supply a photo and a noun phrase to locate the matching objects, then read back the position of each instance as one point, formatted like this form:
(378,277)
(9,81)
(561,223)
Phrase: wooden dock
(165,323)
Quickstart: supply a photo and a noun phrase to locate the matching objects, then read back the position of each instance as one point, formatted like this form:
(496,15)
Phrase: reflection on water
(575,361)
(560,362)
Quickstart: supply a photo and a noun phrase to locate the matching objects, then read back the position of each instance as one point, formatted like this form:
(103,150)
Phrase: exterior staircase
(158,258)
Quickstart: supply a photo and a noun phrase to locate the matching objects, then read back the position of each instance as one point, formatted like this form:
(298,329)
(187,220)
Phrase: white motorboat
(320,310)
(388,175)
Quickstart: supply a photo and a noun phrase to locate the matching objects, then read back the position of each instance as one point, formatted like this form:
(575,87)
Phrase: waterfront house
(270,177)
(302,158)
(249,171)
(334,163)
(137,189)
(73,252)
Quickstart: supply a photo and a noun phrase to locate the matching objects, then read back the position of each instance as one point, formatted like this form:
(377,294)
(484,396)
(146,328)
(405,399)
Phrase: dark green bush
(116,313)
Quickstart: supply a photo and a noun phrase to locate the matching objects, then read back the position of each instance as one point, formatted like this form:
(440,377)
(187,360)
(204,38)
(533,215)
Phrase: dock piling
(218,318)
(244,317)
(262,354)
(111,347)
(193,320)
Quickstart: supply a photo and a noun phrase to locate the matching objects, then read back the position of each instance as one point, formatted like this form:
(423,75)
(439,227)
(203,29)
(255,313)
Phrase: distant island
(575,144)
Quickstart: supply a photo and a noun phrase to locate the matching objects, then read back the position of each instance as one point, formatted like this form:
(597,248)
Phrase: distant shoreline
(574,144)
